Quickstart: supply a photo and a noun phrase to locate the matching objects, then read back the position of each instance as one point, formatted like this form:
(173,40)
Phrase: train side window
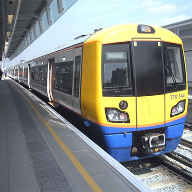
(45,76)
(77,75)
(25,73)
(20,72)
(33,74)
(16,72)
(41,75)
(37,74)
(66,77)
(57,78)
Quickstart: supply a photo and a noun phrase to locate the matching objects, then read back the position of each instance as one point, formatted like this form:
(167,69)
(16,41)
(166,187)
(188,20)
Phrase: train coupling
(153,142)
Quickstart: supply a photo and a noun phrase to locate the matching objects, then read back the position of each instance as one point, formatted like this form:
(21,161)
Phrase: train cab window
(116,70)
(77,75)
(174,67)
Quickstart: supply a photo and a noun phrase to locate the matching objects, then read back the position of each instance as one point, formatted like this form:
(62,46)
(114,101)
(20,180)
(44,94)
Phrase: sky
(86,15)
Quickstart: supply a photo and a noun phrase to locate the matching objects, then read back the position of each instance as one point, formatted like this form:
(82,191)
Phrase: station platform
(42,152)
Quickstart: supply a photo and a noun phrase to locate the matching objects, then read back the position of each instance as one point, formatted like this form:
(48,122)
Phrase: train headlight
(112,114)
(145,29)
(116,116)
(178,109)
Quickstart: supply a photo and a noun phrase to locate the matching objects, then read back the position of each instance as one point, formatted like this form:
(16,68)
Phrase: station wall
(188,57)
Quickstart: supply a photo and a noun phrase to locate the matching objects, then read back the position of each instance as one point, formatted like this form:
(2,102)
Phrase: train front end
(138,105)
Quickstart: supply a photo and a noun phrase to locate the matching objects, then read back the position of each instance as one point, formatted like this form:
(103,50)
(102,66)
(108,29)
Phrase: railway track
(186,143)
(180,158)
(188,125)
(160,174)
(168,172)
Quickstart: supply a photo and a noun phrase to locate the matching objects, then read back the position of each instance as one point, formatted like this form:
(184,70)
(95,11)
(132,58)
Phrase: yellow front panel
(93,103)
(113,102)
(171,99)
(91,90)
(150,111)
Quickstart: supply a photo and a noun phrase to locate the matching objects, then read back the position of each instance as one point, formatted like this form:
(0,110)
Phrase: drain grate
(48,172)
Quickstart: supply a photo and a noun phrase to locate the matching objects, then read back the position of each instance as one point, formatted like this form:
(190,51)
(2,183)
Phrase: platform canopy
(23,21)
(183,29)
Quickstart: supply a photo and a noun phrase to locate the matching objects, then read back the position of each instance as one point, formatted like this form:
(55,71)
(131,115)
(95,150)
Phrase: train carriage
(127,83)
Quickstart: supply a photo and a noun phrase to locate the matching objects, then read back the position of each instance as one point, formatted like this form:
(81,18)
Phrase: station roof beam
(183,29)
(23,21)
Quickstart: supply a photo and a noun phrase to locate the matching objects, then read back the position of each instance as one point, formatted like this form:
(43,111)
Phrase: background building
(184,30)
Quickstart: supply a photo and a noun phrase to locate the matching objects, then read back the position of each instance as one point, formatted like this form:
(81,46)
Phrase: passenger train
(126,83)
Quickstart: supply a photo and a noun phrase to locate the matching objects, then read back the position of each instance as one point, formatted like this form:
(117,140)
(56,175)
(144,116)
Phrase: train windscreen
(116,70)
(158,68)
(174,67)
(148,67)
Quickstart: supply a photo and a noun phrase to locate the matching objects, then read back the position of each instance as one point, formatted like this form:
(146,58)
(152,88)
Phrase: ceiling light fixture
(10,19)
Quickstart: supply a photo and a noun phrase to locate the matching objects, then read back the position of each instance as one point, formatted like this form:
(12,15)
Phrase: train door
(14,73)
(29,76)
(18,74)
(77,80)
(23,74)
(50,80)
(148,83)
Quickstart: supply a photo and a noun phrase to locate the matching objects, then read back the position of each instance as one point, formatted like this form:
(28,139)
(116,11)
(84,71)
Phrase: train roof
(74,43)
(114,34)
(128,32)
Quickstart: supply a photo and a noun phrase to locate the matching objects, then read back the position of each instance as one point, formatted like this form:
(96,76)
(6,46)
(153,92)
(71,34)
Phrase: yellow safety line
(76,163)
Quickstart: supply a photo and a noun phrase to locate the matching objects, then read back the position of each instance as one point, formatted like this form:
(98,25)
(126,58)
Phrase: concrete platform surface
(41,151)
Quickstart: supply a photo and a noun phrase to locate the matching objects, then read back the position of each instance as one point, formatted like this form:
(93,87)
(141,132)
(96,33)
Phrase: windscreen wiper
(120,87)
(172,76)
(118,91)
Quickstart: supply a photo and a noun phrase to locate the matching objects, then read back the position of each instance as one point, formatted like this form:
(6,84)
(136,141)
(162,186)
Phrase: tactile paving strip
(49,174)
(41,156)
(48,185)
(41,164)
